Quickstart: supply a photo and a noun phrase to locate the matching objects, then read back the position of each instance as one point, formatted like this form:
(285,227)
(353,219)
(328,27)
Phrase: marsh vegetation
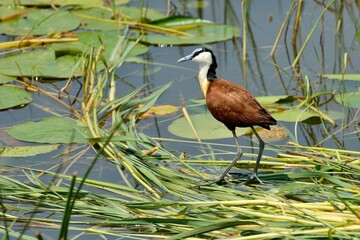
(104,136)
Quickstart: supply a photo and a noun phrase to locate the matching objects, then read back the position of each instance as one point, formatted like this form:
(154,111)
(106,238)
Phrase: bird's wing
(235,106)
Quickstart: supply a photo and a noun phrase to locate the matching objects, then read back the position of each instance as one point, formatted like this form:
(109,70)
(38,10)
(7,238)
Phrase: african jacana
(230,104)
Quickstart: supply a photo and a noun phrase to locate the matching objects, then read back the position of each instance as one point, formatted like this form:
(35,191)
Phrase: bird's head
(206,60)
(202,56)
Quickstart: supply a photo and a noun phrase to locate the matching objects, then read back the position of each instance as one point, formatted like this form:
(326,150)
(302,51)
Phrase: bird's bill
(186,58)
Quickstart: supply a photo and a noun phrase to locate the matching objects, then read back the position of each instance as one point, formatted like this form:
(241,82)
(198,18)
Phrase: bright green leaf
(208,33)
(41,63)
(6,79)
(96,39)
(351,99)
(13,96)
(92,3)
(49,130)
(267,100)
(103,18)
(97,19)
(26,151)
(38,22)
(82,3)
(294,114)
(206,126)
(138,13)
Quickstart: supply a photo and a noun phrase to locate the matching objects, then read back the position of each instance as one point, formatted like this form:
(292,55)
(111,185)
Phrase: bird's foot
(221,181)
(253,179)
(209,182)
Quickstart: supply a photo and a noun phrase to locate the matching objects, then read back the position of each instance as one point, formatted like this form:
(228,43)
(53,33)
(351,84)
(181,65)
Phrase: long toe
(221,181)
(208,182)
(253,179)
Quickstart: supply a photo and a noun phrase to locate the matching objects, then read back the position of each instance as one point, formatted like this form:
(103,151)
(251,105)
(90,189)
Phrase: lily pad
(208,33)
(267,100)
(6,79)
(351,99)
(61,60)
(138,13)
(97,19)
(294,114)
(26,151)
(109,40)
(92,3)
(38,21)
(206,126)
(49,130)
(96,39)
(103,18)
(13,96)
(41,63)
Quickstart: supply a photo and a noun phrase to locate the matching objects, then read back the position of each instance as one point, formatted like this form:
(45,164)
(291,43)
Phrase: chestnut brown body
(235,106)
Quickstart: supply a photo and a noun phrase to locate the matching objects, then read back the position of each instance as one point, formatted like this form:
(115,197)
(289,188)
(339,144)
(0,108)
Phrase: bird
(230,104)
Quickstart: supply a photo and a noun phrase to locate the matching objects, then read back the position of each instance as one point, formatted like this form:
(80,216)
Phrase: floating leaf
(208,33)
(267,100)
(351,99)
(294,114)
(13,96)
(140,14)
(206,126)
(109,40)
(92,3)
(38,21)
(26,151)
(6,79)
(49,130)
(354,77)
(40,63)
(61,60)
(96,39)
(103,19)
(97,19)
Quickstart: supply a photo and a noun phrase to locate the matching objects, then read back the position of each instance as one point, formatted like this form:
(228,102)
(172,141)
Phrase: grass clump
(310,192)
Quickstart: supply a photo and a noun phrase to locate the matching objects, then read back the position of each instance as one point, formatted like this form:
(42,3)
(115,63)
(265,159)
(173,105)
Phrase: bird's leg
(238,156)
(254,176)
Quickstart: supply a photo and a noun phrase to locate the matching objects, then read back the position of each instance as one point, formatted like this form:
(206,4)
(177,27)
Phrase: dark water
(323,54)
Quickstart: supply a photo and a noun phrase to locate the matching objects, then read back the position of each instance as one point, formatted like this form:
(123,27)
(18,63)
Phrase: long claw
(253,179)
(221,181)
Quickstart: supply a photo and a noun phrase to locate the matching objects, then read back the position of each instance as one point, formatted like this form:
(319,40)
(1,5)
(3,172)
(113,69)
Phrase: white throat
(202,77)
